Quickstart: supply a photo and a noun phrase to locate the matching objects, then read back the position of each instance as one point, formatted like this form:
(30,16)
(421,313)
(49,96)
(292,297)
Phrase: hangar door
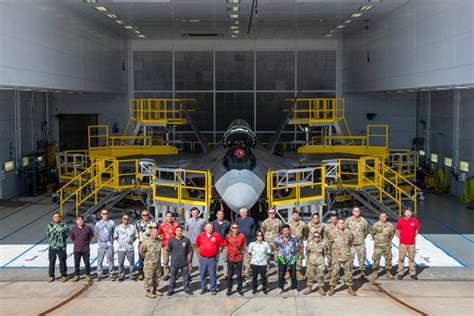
(73,130)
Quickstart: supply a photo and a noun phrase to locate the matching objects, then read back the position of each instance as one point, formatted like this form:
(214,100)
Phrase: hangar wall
(423,43)
(44,44)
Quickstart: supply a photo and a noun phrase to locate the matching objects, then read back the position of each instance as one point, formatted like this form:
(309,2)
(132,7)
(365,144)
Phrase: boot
(140,277)
(307,290)
(363,275)
(389,275)
(63,279)
(75,279)
(155,292)
(300,276)
(150,294)
(375,275)
(287,275)
(51,279)
(332,289)
(88,279)
(351,291)
(321,291)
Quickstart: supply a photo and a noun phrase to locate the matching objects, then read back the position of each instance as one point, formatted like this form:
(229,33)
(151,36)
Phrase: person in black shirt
(179,248)
(222,227)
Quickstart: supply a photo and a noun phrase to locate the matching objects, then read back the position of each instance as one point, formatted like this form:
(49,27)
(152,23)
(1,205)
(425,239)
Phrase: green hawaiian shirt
(57,235)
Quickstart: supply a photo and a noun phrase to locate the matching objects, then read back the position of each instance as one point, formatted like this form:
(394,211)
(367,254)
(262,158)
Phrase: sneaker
(188,292)
(279,291)
(265,292)
(51,279)
(214,293)
(170,293)
(240,293)
(98,278)
(295,292)
(75,279)
(414,277)
(202,292)
(254,292)
(112,278)
(229,293)
(121,279)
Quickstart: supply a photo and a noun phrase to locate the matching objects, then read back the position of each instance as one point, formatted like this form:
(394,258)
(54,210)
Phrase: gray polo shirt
(193,227)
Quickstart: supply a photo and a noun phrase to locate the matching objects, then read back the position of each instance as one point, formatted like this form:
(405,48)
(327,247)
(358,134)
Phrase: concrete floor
(107,298)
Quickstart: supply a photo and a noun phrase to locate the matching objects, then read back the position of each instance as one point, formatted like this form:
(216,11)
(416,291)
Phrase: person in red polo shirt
(166,232)
(407,228)
(209,244)
(235,243)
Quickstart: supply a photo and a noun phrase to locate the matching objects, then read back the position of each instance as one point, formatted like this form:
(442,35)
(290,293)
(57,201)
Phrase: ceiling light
(233,9)
(235,36)
(328,35)
(128,27)
(141,36)
(112,16)
(340,26)
(356,14)
(90,1)
(234,27)
(120,22)
(233,1)
(137,32)
(348,21)
(237,22)
(101,9)
(332,31)
(366,7)
(194,21)
(236,32)
(233,16)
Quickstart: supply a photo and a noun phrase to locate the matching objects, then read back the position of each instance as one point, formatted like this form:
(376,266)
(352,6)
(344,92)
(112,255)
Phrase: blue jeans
(208,266)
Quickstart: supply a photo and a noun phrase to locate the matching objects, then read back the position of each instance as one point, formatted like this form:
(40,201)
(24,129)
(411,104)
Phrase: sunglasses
(316,236)
(105,213)
(259,235)
(125,219)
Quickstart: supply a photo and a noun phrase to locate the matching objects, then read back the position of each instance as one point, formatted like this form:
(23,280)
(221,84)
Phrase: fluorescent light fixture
(233,1)
(137,32)
(233,9)
(234,36)
(9,165)
(101,9)
(340,26)
(194,21)
(348,21)
(234,16)
(26,161)
(464,165)
(356,14)
(120,21)
(237,22)
(448,161)
(366,7)
(90,1)
(141,36)
(422,153)
(112,15)
(128,27)
(234,27)
(328,35)
(434,157)
(332,31)
(236,32)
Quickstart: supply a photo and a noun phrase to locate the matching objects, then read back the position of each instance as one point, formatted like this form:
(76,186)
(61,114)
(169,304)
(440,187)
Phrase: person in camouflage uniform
(151,251)
(315,226)
(271,228)
(298,229)
(315,251)
(360,229)
(329,230)
(382,233)
(341,244)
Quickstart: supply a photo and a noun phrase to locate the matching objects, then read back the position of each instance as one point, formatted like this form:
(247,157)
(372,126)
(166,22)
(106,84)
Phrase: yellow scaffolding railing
(182,186)
(295,186)
(158,111)
(373,172)
(317,110)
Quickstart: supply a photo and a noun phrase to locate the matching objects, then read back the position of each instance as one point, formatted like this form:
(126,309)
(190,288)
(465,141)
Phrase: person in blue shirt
(247,227)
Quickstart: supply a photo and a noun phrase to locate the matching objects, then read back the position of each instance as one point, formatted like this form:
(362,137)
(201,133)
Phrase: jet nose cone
(240,188)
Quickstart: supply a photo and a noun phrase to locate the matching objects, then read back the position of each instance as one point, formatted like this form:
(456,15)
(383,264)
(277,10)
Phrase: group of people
(246,252)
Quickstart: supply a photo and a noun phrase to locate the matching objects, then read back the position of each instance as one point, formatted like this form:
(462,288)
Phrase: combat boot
(363,275)
(75,279)
(307,290)
(332,289)
(51,279)
(88,279)
(375,275)
(351,291)
(321,291)
(140,277)
(155,292)
(300,276)
(150,294)
(389,275)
